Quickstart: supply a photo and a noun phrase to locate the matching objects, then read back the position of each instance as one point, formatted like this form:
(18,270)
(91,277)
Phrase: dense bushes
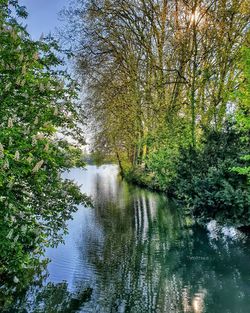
(206,182)
(203,179)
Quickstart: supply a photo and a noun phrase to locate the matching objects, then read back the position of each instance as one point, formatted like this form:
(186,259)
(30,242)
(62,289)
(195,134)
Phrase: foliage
(242,96)
(205,182)
(150,67)
(158,171)
(159,77)
(38,114)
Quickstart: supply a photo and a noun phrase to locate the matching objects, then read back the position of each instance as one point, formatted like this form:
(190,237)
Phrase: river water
(135,251)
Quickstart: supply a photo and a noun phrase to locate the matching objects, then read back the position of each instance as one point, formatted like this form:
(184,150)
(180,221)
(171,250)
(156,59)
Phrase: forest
(163,89)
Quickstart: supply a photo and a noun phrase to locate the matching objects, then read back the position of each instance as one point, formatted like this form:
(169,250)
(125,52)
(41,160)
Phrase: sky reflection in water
(133,252)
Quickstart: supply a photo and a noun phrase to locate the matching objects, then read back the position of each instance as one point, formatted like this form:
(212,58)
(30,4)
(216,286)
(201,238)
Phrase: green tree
(39,139)
(159,76)
(242,98)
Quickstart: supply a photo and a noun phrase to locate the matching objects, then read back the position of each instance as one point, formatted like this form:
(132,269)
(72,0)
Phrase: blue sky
(43,15)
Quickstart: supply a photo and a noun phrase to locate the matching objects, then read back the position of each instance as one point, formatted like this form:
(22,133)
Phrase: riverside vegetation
(38,112)
(168,87)
(166,93)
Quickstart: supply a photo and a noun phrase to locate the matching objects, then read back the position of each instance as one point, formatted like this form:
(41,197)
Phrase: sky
(43,15)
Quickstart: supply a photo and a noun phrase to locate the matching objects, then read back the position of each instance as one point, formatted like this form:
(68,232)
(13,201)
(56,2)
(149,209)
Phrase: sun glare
(195,17)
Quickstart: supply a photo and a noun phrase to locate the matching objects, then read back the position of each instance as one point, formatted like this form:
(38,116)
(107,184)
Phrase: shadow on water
(134,252)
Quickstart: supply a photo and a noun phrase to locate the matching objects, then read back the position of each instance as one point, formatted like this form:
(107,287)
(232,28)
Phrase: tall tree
(162,69)
(38,112)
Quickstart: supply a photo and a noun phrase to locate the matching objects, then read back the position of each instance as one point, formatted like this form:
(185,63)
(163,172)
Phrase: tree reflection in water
(53,298)
(153,259)
(144,255)
(60,200)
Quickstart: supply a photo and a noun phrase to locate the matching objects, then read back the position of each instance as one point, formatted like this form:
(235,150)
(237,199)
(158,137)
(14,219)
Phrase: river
(135,251)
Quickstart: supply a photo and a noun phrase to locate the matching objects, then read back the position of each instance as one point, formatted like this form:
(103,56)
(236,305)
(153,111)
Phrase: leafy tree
(159,76)
(39,139)
(149,66)
(242,97)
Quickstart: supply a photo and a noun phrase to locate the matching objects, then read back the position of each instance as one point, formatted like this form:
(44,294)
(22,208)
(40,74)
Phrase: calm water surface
(134,252)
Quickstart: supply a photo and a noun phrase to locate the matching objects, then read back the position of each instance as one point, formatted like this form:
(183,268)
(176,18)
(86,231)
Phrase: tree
(157,67)
(242,97)
(38,112)
(159,75)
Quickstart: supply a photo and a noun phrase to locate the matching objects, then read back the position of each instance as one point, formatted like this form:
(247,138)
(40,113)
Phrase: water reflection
(53,298)
(134,252)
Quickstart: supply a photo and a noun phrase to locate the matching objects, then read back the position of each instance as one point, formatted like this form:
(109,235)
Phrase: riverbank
(204,180)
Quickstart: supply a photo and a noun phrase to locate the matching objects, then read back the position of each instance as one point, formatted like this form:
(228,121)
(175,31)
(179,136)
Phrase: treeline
(167,85)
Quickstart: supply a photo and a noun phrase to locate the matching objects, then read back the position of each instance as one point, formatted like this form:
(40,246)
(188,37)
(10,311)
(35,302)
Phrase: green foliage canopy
(39,139)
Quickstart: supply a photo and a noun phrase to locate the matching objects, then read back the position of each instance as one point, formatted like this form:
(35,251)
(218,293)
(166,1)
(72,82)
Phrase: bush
(206,182)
